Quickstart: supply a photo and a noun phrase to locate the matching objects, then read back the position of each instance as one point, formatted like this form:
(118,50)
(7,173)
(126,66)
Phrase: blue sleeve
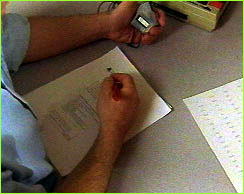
(15,39)
(9,185)
(14,177)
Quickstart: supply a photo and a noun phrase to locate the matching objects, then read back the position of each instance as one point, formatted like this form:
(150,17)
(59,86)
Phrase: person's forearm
(93,173)
(54,35)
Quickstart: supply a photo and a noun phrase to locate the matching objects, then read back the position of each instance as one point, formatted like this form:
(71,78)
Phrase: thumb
(129,4)
(160,15)
(128,7)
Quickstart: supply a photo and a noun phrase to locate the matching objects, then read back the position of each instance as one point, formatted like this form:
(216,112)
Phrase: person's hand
(116,117)
(122,31)
(3,7)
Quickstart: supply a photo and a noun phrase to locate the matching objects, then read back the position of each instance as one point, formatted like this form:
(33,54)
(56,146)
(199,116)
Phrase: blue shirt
(23,156)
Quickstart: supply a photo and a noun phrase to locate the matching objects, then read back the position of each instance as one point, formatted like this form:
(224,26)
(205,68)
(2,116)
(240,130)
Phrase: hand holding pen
(118,80)
(116,86)
(117,104)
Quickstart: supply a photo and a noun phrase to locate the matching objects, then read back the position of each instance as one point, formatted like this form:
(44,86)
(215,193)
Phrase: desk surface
(171,155)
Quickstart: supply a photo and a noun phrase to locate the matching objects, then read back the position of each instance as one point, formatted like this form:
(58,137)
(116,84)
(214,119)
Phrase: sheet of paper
(66,108)
(219,115)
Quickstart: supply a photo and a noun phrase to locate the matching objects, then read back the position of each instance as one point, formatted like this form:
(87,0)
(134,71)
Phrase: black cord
(133,45)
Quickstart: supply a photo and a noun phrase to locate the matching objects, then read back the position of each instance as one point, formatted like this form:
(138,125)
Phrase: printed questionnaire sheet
(66,108)
(219,115)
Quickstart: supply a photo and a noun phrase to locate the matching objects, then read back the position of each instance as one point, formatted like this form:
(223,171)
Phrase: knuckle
(129,78)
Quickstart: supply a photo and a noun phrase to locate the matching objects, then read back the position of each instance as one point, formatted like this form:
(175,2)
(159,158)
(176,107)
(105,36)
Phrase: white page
(67,143)
(219,115)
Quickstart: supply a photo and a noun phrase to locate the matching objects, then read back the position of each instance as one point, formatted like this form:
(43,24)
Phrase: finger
(160,16)
(137,37)
(126,38)
(128,35)
(147,39)
(131,32)
(155,31)
(125,79)
(128,88)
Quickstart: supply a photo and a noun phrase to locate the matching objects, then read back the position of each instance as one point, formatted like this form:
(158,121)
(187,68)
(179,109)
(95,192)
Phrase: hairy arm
(54,35)
(93,173)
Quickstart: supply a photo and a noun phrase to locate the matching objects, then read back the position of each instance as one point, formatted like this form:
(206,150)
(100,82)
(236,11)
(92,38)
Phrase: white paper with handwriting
(219,115)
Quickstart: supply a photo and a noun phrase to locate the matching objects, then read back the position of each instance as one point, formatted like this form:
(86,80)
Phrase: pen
(116,90)
(116,86)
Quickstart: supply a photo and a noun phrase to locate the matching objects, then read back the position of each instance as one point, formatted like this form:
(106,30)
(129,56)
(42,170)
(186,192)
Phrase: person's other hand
(122,31)
(116,117)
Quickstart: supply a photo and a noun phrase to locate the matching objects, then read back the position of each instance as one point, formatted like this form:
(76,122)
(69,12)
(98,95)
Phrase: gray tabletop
(171,155)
